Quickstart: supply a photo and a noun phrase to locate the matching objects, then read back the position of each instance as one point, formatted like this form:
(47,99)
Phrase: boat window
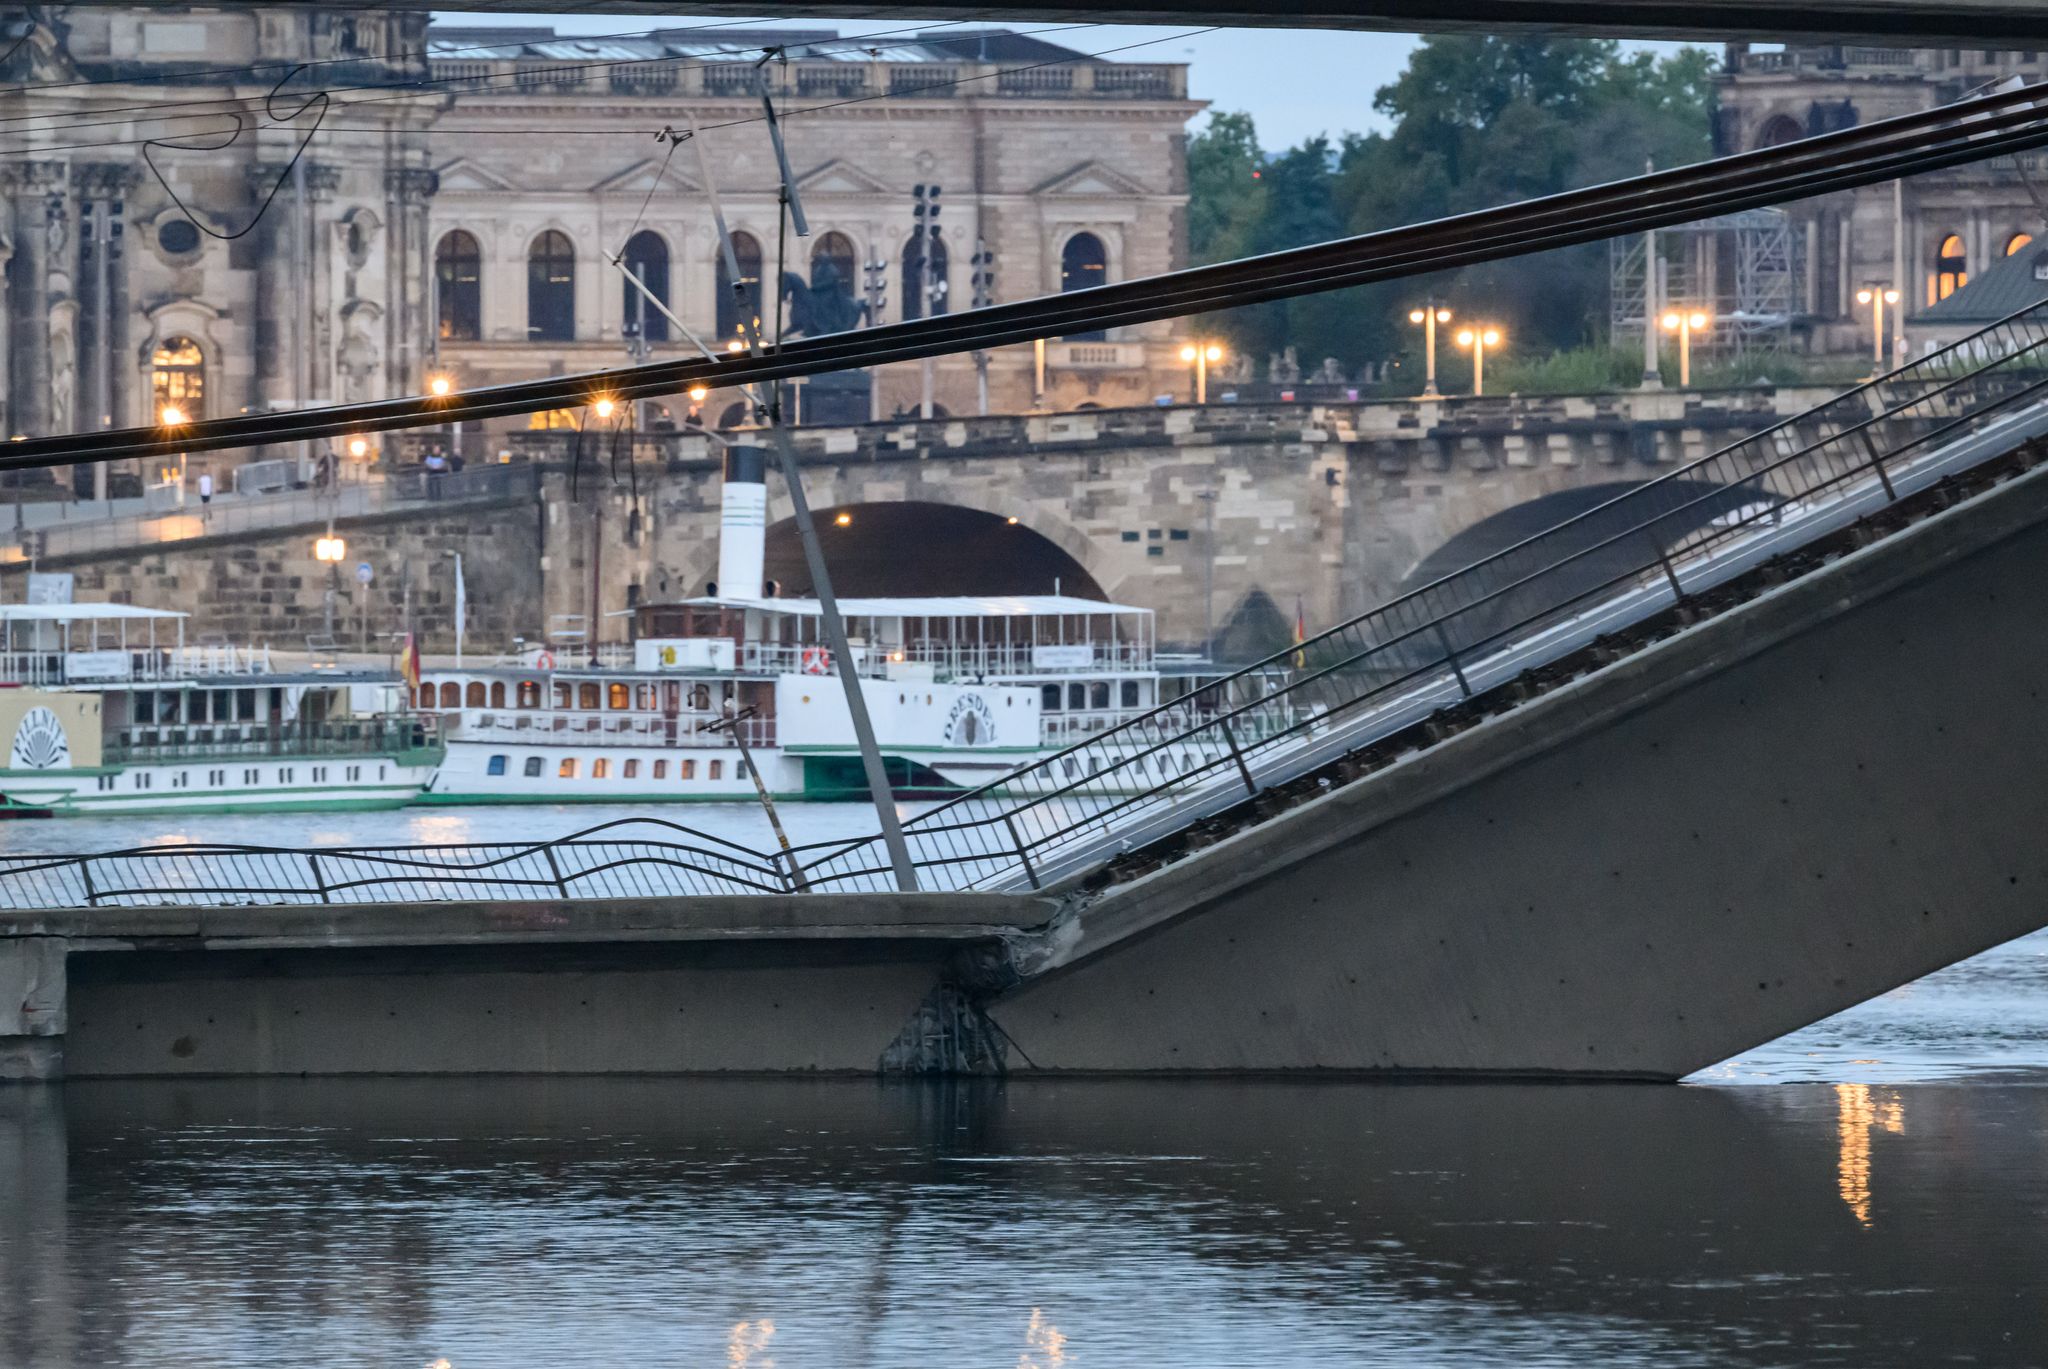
(567,769)
(1098,694)
(564,696)
(661,770)
(145,706)
(529,693)
(1130,691)
(496,767)
(601,768)
(475,695)
(619,696)
(586,695)
(739,770)
(632,771)
(245,705)
(197,710)
(533,767)
(700,697)
(643,696)
(451,694)
(717,769)
(1077,696)
(689,770)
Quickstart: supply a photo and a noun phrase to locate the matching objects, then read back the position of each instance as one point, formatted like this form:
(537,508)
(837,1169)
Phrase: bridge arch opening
(921,548)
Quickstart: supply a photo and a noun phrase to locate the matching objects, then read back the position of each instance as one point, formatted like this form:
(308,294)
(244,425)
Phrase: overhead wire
(1870,154)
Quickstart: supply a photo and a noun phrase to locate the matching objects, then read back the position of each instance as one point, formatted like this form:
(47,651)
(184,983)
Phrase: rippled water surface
(1872,1191)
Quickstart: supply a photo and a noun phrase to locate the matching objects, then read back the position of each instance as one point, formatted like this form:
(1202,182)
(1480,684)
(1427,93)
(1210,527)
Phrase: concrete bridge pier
(32,1004)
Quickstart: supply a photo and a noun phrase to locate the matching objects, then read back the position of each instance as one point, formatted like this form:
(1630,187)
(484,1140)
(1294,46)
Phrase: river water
(1870,1191)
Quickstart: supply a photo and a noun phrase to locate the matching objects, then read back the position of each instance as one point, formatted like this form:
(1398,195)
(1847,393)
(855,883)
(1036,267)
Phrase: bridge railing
(1231,738)
(1530,603)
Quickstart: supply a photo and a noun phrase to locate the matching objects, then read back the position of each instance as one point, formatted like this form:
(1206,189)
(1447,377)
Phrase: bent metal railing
(1533,603)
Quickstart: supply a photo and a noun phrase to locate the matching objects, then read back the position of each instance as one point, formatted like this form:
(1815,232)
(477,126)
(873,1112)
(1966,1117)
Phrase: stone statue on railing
(826,305)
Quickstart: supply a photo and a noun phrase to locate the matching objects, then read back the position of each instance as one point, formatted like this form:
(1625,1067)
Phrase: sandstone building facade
(451,201)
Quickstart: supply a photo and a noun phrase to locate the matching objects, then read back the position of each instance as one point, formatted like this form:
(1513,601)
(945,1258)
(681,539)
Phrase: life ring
(816,660)
(544,661)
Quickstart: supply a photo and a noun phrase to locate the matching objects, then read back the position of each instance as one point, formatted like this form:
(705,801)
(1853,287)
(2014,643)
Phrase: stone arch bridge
(1231,515)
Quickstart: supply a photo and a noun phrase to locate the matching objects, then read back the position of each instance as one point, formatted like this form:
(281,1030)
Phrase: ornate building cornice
(412,182)
(104,180)
(33,178)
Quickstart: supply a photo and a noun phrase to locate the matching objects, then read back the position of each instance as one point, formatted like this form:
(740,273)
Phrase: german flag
(409,665)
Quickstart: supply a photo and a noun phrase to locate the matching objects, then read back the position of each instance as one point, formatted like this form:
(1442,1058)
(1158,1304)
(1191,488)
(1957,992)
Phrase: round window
(178,236)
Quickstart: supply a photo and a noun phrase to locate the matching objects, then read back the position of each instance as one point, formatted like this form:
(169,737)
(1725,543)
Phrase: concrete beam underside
(1765,819)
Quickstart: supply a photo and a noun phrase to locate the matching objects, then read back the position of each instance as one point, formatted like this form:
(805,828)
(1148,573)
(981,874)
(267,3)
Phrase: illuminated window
(689,770)
(567,769)
(586,695)
(2016,242)
(601,768)
(717,770)
(177,378)
(529,693)
(1951,269)
(458,287)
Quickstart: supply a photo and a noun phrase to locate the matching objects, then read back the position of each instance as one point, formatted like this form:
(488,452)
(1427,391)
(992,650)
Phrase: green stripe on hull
(477,800)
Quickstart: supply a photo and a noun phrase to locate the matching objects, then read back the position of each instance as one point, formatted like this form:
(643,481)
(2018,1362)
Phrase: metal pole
(733,724)
(1651,380)
(1478,364)
(1209,572)
(1201,374)
(1429,350)
(1899,270)
(1038,373)
(842,653)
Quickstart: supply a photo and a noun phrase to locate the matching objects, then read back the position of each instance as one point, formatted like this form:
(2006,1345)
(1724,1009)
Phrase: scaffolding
(1752,304)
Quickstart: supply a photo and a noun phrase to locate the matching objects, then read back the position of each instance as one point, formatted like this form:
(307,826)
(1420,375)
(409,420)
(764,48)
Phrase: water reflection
(1860,1114)
(1044,1346)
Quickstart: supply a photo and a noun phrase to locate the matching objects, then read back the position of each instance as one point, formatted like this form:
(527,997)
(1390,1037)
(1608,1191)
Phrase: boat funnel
(743,523)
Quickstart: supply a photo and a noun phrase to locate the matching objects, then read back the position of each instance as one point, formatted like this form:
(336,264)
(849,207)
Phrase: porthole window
(178,236)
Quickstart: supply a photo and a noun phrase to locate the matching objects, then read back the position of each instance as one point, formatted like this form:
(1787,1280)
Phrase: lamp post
(1201,354)
(440,387)
(1877,296)
(330,551)
(1429,316)
(1479,339)
(1684,322)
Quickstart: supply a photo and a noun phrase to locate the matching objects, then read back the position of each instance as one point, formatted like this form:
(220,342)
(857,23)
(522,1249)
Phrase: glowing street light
(605,407)
(1878,296)
(1200,354)
(698,393)
(1685,322)
(844,520)
(1429,316)
(1479,339)
(440,387)
(171,415)
(330,549)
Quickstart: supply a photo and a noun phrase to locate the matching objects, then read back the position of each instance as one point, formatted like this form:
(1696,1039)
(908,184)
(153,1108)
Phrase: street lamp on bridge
(1479,339)
(1685,322)
(1199,355)
(1877,295)
(1429,316)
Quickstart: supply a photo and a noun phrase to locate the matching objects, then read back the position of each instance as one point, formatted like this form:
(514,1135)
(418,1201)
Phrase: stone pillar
(319,308)
(275,365)
(32,1008)
(34,192)
(409,274)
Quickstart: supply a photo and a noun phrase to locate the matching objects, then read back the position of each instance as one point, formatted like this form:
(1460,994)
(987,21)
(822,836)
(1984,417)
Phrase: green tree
(1476,121)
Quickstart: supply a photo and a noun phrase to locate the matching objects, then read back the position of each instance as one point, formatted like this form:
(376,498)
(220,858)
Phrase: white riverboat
(104,708)
(961,691)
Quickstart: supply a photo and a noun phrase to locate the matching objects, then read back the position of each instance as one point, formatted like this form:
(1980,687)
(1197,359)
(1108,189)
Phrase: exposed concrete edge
(732,917)
(1578,708)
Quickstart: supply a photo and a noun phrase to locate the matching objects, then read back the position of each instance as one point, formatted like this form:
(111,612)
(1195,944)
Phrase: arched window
(474,695)
(2016,242)
(734,313)
(835,250)
(647,258)
(497,694)
(1951,269)
(458,287)
(1778,130)
(1084,263)
(451,695)
(913,276)
(551,288)
(177,378)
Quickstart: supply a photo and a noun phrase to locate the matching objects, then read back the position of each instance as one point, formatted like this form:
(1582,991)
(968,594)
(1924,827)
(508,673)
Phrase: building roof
(960,606)
(2000,290)
(809,45)
(79,613)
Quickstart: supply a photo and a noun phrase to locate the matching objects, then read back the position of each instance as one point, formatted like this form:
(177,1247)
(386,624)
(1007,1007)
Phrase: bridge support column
(32,1008)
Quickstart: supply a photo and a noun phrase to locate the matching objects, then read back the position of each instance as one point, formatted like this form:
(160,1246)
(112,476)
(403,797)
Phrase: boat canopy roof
(936,606)
(79,613)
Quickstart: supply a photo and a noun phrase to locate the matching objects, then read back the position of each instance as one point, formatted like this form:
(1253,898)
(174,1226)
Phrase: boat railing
(128,665)
(144,743)
(546,728)
(1015,658)
(1067,728)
